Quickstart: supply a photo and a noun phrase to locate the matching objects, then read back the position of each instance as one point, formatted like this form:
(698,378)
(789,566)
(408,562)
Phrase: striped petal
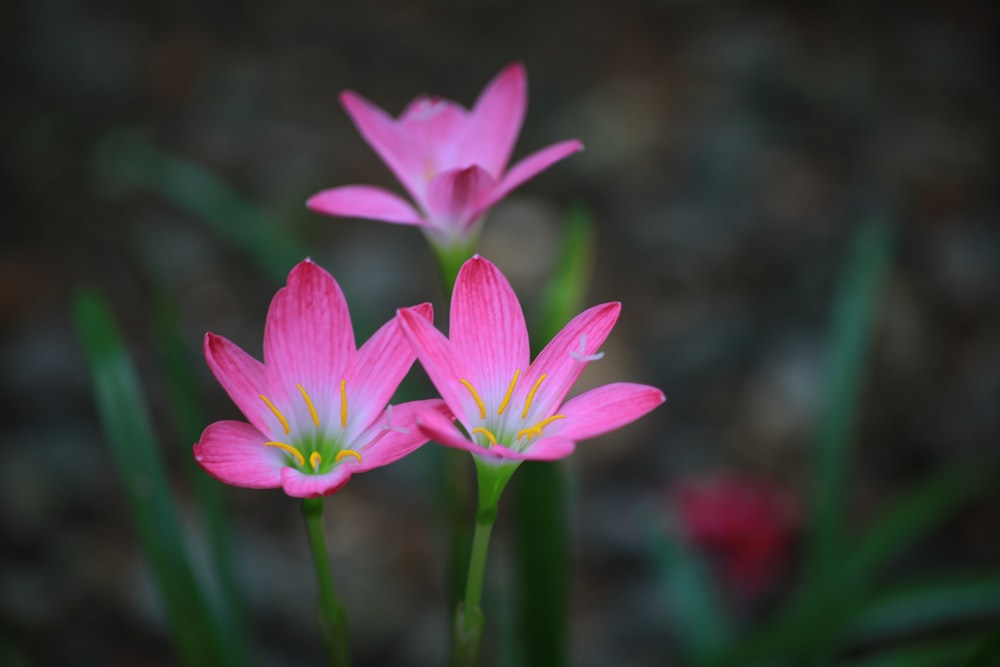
(365,201)
(606,408)
(495,121)
(234,453)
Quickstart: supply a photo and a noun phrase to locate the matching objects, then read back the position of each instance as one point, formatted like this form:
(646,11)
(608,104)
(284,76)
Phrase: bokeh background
(733,150)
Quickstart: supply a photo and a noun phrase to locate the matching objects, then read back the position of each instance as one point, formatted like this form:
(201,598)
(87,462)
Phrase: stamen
(345,453)
(277,413)
(288,448)
(581,355)
(534,430)
(545,422)
(312,408)
(314,460)
(510,391)
(489,436)
(531,397)
(343,404)
(475,395)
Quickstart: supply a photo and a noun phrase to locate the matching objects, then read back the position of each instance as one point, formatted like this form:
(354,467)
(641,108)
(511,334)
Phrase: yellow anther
(528,432)
(312,408)
(475,395)
(347,452)
(531,397)
(510,391)
(489,436)
(277,413)
(288,448)
(314,460)
(545,422)
(343,405)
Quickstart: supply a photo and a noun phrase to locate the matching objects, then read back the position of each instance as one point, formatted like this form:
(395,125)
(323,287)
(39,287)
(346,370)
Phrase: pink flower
(451,160)
(317,405)
(747,524)
(508,408)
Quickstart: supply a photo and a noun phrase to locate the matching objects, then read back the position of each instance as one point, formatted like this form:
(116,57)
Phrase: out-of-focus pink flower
(317,406)
(452,160)
(747,524)
(510,408)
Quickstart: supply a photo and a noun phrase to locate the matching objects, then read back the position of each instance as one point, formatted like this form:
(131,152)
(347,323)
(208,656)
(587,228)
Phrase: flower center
(307,451)
(507,430)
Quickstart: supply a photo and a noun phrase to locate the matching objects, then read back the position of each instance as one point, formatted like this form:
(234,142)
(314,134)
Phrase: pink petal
(495,121)
(365,201)
(302,485)
(308,339)
(440,429)
(442,363)
(386,138)
(605,409)
(546,449)
(435,129)
(243,378)
(377,369)
(394,440)
(234,452)
(532,165)
(454,197)
(561,360)
(487,327)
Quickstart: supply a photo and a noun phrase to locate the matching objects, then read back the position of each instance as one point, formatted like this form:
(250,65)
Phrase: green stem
(333,619)
(469,618)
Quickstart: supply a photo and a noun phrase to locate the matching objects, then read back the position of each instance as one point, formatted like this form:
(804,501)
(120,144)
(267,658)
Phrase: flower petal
(456,196)
(487,327)
(234,452)
(243,378)
(496,120)
(308,339)
(546,449)
(606,408)
(563,359)
(442,363)
(442,430)
(532,165)
(302,485)
(365,201)
(435,129)
(386,138)
(377,369)
(396,433)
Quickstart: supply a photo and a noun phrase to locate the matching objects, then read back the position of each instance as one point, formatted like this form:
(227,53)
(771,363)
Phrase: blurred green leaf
(987,653)
(854,312)
(140,468)
(939,653)
(925,605)
(125,160)
(698,620)
(185,403)
(542,515)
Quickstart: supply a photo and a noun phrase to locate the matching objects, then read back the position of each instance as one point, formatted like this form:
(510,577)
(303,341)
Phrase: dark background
(733,149)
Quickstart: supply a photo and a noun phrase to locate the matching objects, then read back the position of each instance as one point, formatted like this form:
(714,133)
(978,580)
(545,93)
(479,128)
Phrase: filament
(291,450)
(531,397)
(277,413)
(489,436)
(510,391)
(314,460)
(475,395)
(312,408)
(345,453)
(343,404)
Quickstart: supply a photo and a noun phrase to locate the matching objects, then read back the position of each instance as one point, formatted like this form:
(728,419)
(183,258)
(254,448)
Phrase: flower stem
(469,619)
(333,618)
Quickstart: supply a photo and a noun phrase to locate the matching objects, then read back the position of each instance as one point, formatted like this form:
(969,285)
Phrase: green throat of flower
(497,431)
(313,452)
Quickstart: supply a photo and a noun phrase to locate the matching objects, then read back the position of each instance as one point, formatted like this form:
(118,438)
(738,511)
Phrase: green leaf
(854,311)
(140,468)
(939,653)
(125,160)
(564,295)
(697,618)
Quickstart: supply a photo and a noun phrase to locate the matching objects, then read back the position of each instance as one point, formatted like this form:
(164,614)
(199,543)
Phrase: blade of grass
(140,467)
(542,515)
(854,312)
(125,160)
(698,620)
(183,395)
